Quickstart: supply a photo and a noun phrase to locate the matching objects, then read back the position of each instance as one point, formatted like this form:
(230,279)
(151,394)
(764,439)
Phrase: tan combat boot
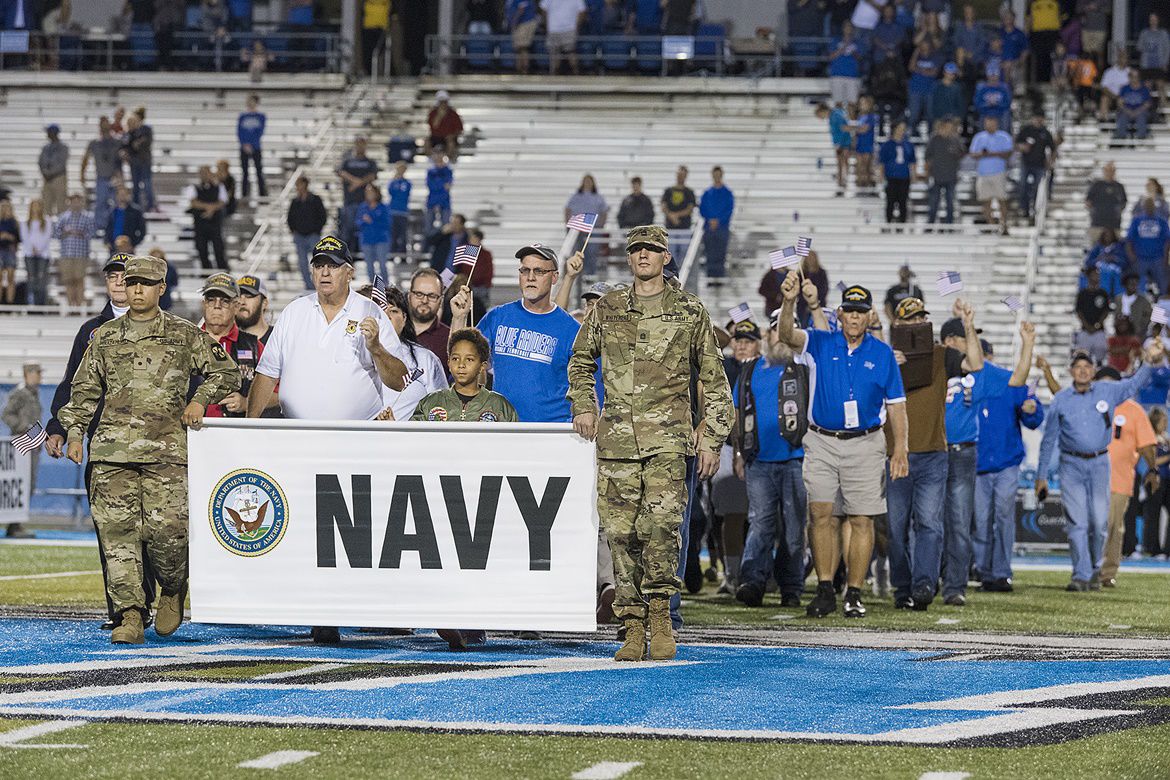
(130,632)
(634,648)
(168,616)
(662,646)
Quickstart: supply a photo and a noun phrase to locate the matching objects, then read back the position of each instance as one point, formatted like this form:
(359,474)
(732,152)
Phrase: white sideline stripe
(606,770)
(299,672)
(281,758)
(1127,569)
(944,776)
(48,576)
(10,739)
(50,542)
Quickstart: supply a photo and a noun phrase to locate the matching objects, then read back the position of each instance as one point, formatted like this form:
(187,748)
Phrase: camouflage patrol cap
(152,269)
(117,262)
(222,284)
(651,235)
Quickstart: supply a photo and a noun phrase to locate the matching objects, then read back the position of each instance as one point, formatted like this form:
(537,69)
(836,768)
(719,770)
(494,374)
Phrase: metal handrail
(688,263)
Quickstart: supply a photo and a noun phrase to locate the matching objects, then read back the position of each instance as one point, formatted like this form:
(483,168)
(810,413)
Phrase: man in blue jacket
(249,131)
(125,219)
(716,207)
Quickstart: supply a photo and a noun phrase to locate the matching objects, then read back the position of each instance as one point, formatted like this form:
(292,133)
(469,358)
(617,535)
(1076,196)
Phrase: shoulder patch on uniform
(488,417)
(219,352)
(437,413)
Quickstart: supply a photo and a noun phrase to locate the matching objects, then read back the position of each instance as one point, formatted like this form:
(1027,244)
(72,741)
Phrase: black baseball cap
(537,249)
(954,327)
(746,330)
(333,249)
(1080,355)
(117,262)
(1108,372)
(856,298)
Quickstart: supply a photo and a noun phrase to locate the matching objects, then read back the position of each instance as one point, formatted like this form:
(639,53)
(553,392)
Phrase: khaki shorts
(561,42)
(522,35)
(849,471)
(993,187)
(73,269)
(1093,40)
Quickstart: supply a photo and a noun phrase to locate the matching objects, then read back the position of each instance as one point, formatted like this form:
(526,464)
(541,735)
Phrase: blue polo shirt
(521,11)
(868,375)
(399,192)
(1134,97)
(925,76)
(1000,444)
(845,64)
(1015,43)
(437,192)
(999,141)
(530,359)
(1157,391)
(377,229)
(1148,235)
(774,448)
(966,395)
(717,203)
(897,158)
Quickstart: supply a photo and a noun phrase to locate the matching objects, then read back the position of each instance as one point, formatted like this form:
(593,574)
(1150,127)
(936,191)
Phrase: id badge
(851,418)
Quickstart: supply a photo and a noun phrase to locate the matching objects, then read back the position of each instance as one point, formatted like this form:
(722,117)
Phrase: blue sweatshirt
(1148,235)
(1000,443)
(250,128)
(718,203)
(437,192)
(377,230)
(399,192)
(965,397)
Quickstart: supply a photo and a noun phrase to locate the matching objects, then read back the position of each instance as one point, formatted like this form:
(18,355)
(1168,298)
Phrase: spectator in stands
(1109,257)
(107,164)
(9,246)
(256,59)
(522,18)
(22,411)
(375,23)
(485,268)
(993,98)
(443,241)
(1081,75)
(223,175)
(561,20)
(1092,309)
(125,219)
(678,17)
(1043,20)
(168,18)
(845,67)
(356,171)
(399,191)
(991,148)
(944,153)
(969,42)
(889,37)
(1094,16)
(1037,157)
(925,66)
(948,98)
(137,150)
(444,125)
(587,200)
(1133,305)
(35,235)
(1124,347)
(373,218)
(1105,201)
(637,208)
(1151,541)
(863,133)
(249,132)
(887,84)
(1154,46)
(1147,243)
(74,229)
(1113,80)
(440,178)
(1015,49)
(424,300)
(678,202)
(716,207)
(1133,108)
(899,292)
(899,164)
(483,17)
(841,138)
(306,219)
(1155,193)
(54,164)
(206,200)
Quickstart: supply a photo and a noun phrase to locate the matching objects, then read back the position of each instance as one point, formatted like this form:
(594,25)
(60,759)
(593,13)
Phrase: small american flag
(582,222)
(784,258)
(740,313)
(378,294)
(1013,303)
(803,245)
(949,282)
(30,440)
(841,287)
(466,255)
(1160,315)
(447,277)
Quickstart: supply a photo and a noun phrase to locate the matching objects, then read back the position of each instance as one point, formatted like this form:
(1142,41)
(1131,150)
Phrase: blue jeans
(1084,491)
(376,255)
(1154,269)
(715,244)
(252,157)
(399,232)
(777,509)
(1030,179)
(960,507)
(939,190)
(918,111)
(915,508)
(676,620)
(1139,124)
(995,522)
(141,176)
(304,244)
(347,223)
(103,194)
(437,216)
(38,279)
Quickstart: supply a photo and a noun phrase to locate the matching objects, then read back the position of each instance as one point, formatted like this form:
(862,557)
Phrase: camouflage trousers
(136,505)
(641,504)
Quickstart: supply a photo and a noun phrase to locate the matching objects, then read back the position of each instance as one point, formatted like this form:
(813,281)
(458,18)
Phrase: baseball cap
(117,262)
(910,307)
(1080,355)
(906,267)
(746,330)
(954,327)
(53,128)
(950,67)
(856,298)
(596,290)
(537,249)
(985,345)
(332,248)
(651,235)
(152,269)
(442,95)
(220,283)
(1108,372)
(252,285)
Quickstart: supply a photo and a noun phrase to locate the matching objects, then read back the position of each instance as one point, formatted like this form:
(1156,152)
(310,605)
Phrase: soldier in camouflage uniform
(21,412)
(650,337)
(142,365)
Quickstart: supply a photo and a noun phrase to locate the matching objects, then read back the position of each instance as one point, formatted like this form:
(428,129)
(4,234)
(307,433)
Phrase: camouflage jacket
(22,410)
(646,367)
(446,406)
(143,375)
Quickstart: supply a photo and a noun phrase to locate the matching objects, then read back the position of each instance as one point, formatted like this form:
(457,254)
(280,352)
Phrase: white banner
(413,525)
(15,482)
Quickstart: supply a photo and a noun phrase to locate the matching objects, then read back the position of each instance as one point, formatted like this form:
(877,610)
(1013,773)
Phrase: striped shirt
(75,229)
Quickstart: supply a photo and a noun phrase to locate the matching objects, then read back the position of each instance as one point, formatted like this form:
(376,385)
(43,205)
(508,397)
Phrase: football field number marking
(16,737)
(278,759)
(607,770)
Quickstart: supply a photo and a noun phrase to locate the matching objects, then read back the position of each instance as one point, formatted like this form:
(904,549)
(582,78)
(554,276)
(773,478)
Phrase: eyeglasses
(536,273)
(429,297)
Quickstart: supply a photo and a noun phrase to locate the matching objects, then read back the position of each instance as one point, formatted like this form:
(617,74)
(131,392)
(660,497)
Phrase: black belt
(960,446)
(1084,455)
(843,434)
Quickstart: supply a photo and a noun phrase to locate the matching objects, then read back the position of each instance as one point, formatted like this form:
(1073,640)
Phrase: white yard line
(50,542)
(944,776)
(49,576)
(299,672)
(607,770)
(16,738)
(278,759)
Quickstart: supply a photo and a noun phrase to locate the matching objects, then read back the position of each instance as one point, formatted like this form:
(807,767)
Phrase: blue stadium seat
(479,52)
(615,53)
(507,55)
(708,50)
(539,60)
(649,55)
(587,52)
(142,44)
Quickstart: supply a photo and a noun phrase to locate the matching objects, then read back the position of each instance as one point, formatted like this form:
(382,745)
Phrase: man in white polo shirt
(331,351)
